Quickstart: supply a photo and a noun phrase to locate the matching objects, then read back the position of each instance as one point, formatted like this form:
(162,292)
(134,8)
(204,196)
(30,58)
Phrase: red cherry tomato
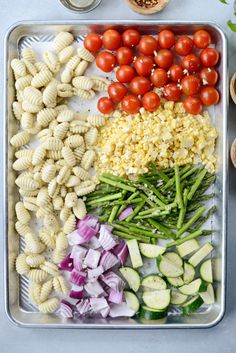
(150,101)
(164,58)
(193,105)
(93,42)
(209,95)
(111,39)
(116,91)
(130,104)
(208,76)
(106,61)
(202,39)
(176,73)
(166,39)
(124,56)
(209,57)
(147,45)
(172,92)
(159,77)
(183,45)
(125,73)
(139,85)
(190,85)
(144,65)
(105,105)
(191,63)
(131,37)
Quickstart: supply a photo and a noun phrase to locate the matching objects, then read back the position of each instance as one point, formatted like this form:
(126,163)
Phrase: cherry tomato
(139,85)
(125,73)
(159,77)
(93,42)
(164,58)
(150,101)
(147,45)
(105,105)
(193,105)
(209,57)
(124,56)
(183,45)
(111,39)
(191,63)
(131,37)
(106,61)
(130,104)
(202,39)
(172,92)
(117,91)
(144,65)
(166,39)
(208,76)
(190,85)
(176,73)
(209,95)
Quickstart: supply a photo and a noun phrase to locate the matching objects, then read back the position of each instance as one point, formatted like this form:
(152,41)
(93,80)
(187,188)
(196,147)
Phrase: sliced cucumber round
(217,269)
(169,269)
(209,296)
(153,282)
(174,258)
(191,288)
(132,300)
(176,282)
(188,247)
(203,252)
(189,273)
(151,314)
(192,305)
(132,277)
(177,298)
(206,271)
(151,251)
(157,299)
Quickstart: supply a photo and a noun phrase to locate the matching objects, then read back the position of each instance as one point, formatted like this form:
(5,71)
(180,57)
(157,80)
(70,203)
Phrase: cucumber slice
(191,288)
(168,269)
(192,305)
(134,253)
(157,299)
(189,273)
(209,296)
(188,247)
(132,300)
(174,258)
(177,298)
(200,254)
(206,271)
(132,277)
(176,282)
(153,282)
(217,269)
(151,314)
(151,251)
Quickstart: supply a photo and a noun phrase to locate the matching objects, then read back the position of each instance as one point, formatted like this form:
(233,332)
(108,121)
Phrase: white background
(221,338)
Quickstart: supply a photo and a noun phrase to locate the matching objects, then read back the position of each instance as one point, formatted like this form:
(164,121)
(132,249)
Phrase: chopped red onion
(106,238)
(87,232)
(94,289)
(93,243)
(83,306)
(112,280)
(75,238)
(121,251)
(95,273)
(66,309)
(78,250)
(66,264)
(98,304)
(115,296)
(78,262)
(89,219)
(126,213)
(78,277)
(108,260)
(105,312)
(122,309)
(92,258)
(76,292)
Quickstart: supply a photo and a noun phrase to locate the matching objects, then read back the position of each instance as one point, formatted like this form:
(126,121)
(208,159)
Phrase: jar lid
(80,6)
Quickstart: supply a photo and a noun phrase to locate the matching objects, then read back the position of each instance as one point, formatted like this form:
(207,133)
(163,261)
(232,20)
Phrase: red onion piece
(121,251)
(66,310)
(89,219)
(66,264)
(126,213)
(93,243)
(76,292)
(87,232)
(78,250)
(78,277)
(95,273)
(92,258)
(98,304)
(75,238)
(83,306)
(105,312)
(112,280)
(122,309)
(115,296)
(106,238)
(94,289)
(108,260)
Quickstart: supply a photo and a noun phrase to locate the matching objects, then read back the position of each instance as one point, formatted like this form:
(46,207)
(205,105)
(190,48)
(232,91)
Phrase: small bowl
(147,10)
(233,153)
(70,5)
(233,88)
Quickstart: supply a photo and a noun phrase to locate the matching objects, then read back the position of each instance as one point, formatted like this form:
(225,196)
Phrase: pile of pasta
(53,178)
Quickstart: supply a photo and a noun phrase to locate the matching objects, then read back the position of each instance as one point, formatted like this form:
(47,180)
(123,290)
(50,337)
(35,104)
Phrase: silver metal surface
(70,6)
(17,307)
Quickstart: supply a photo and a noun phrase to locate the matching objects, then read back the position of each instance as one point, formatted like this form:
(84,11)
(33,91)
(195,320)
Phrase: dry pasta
(24,153)
(22,214)
(81,173)
(69,225)
(63,175)
(30,67)
(91,137)
(65,214)
(21,228)
(62,40)
(65,90)
(65,115)
(88,159)
(18,67)
(28,54)
(48,173)
(53,143)
(47,237)
(46,290)
(42,78)
(45,116)
(50,221)
(17,110)
(39,155)
(84,94)
(53,188)
(66,75)
(33,95)
(21,265)
(66,53)
(68,156)
(31,108)
(20,139)
(57,203)
(49,306)
(96,120)
(22,163)
(23,82)
(71,199)
(35,260)
(82,82)
(80,209)
(61,242)
(60,286)
(61,130)
(73,62)
(27,121)
(50,95)
(81,68)
(50,268)
(85,188)
(34,293)
(72,181)
(52,61)
(37,275)
(74,141)
(85,54)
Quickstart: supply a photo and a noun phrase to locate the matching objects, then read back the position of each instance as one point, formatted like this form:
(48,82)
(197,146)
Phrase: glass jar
(80,6)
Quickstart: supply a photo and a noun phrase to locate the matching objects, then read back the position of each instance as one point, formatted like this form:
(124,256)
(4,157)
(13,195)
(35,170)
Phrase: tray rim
(225,171)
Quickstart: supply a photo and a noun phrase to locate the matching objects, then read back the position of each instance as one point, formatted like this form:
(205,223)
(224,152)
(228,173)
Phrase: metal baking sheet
(38,35)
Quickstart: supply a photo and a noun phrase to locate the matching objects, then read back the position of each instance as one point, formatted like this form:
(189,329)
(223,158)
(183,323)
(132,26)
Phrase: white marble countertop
(221,338)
